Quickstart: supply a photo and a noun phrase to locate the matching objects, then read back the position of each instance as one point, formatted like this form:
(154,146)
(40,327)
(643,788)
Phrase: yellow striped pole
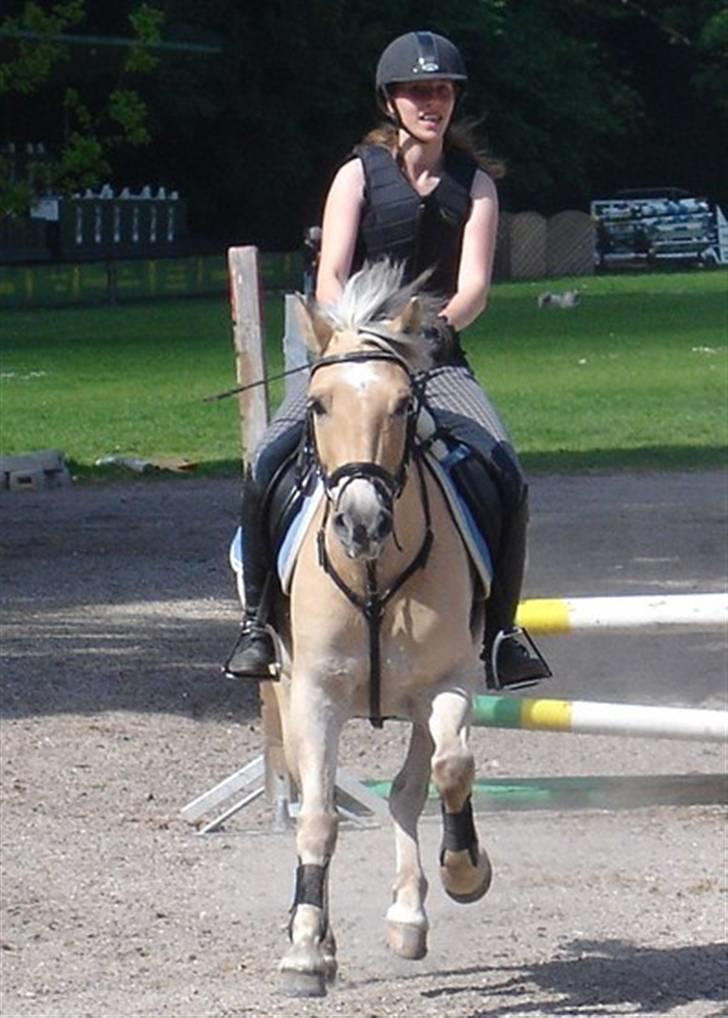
(656,612)
(545,616)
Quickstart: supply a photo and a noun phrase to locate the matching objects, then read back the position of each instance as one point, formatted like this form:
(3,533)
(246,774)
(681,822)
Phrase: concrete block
(34,471)
(44,459)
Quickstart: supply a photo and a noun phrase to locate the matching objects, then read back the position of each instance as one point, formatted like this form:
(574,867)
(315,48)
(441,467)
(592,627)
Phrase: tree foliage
(82,112)
(579,97)
(31,65)
(567,92)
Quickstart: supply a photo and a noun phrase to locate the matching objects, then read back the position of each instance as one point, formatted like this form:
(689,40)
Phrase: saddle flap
(472,536)
(289,544)
(298,526)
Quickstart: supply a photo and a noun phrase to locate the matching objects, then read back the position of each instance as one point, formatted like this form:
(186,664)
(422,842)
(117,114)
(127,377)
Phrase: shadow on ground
(595,977)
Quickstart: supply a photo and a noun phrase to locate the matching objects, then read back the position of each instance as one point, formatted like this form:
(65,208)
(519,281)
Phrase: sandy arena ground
(118,606)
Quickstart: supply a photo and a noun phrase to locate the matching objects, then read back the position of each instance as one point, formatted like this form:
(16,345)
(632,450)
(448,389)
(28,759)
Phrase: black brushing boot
(511,657)
(254,655)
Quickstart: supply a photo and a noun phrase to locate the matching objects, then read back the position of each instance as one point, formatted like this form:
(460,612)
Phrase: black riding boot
(511,657)
(254,656)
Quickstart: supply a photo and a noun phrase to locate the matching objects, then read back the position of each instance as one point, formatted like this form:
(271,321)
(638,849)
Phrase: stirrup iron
(514,634)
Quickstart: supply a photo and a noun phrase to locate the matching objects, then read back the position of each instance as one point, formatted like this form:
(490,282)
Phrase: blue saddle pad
(474,541)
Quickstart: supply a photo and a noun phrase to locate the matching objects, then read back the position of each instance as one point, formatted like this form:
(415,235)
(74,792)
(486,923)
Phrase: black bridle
(389,486)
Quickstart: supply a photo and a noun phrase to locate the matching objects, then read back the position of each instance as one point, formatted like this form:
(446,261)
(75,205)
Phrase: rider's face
(424,107)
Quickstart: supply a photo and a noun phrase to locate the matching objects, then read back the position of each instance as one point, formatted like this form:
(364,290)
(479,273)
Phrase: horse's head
(362,400)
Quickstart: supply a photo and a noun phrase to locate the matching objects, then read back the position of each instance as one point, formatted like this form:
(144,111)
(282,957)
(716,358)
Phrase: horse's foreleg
(465,869)
(313,734)
(406,918)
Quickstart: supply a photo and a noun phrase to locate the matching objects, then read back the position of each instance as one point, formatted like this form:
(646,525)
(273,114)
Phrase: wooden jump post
(246,306)
(267,772)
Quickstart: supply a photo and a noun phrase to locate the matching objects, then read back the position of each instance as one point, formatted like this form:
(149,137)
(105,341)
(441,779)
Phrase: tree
(673,58)
(553,102)
(83,109)
(254,137)
(579,97)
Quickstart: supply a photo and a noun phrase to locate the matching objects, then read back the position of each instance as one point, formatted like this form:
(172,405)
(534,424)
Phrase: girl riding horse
(415,192)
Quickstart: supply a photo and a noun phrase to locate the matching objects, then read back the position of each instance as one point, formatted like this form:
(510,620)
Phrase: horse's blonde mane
(375,296)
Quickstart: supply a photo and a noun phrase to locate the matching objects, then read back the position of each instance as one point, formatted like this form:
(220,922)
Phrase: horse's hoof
(407,940)
(331,967)
(293,983)
(462,881)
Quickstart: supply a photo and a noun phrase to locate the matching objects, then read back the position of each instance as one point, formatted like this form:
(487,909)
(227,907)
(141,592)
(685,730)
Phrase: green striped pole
(593,718)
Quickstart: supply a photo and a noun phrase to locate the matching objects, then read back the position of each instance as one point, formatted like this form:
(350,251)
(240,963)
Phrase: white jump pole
(648,613)
(294,347)
(594,718)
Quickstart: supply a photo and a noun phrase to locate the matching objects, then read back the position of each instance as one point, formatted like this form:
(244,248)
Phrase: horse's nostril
(384,527)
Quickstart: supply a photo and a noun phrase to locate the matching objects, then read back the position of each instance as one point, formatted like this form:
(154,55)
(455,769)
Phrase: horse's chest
(415,639)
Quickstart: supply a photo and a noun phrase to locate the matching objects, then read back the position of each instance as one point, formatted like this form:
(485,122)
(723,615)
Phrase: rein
(374,601)
(254,385)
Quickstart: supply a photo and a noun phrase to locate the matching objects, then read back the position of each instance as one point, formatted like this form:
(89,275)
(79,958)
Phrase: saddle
(464,476)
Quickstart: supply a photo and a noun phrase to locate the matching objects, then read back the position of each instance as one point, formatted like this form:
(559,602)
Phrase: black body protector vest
(401,224)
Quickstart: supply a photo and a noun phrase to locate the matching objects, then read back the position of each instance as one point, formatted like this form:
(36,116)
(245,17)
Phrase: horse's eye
(315,406)
(402,407)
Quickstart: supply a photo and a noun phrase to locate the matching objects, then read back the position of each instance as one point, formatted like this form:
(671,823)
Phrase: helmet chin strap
(394,118)
(391,112)
(392,115)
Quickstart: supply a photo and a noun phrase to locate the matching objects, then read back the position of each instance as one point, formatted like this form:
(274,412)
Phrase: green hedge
(64,284)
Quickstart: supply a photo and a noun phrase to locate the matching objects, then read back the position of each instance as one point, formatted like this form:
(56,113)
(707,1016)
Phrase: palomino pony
(386,618)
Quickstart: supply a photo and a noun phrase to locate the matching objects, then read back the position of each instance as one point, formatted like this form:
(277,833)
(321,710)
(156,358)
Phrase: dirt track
(118,605)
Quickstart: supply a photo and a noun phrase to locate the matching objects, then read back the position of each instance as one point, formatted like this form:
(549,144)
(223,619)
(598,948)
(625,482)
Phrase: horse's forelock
(374,296)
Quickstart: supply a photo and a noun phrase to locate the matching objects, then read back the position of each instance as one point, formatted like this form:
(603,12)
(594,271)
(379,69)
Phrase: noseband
(389,486)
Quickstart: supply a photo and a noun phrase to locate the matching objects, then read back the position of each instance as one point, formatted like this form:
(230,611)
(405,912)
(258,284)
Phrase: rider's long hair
(461,136)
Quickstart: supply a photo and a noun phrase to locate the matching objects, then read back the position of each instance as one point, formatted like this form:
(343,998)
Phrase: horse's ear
(409,319)
(317,331)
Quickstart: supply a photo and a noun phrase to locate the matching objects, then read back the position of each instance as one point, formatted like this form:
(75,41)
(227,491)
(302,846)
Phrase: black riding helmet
(418,56)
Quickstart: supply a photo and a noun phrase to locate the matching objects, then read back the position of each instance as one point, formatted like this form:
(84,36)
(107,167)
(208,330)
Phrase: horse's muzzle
(362,520)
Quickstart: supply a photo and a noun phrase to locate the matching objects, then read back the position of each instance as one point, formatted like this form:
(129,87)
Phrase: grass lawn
(635,376)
